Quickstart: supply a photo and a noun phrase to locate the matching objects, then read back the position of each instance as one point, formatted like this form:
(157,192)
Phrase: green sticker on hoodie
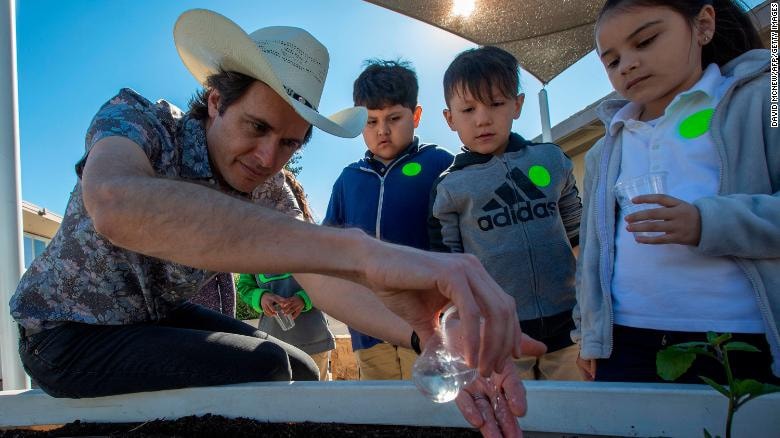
(697,124)
(411,169)
(539,175)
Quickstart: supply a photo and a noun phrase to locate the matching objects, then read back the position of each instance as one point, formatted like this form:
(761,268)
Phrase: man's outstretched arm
(200,227)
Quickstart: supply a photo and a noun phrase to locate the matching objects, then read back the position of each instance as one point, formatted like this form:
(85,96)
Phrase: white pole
(544,109)
(11,265)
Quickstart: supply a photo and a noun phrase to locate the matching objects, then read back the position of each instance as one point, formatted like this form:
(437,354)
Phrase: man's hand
(493,405)
(416,285)
(679,220)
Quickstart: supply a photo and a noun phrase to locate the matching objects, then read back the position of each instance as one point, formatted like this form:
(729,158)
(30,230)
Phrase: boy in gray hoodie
(512,203)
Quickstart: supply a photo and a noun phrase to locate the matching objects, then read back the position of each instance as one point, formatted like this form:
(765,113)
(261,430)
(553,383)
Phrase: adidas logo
(515,208)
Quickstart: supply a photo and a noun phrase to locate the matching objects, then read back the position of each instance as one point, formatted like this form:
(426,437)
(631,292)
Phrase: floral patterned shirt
(81,276)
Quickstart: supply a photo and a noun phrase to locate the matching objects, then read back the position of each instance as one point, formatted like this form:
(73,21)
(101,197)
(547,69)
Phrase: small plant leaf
(707,434)
(701,348)
(749,386)
(753,388)
(717,386)
(716,339)
(740,346)
(686,345)
(672,363)
(770,389)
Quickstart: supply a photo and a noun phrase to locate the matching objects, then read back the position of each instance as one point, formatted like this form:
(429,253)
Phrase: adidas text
(524,213)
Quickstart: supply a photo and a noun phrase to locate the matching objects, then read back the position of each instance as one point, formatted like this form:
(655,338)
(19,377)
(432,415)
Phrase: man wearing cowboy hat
(161,204)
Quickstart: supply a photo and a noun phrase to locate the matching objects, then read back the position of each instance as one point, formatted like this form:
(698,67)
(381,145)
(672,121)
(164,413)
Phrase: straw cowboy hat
(287,59)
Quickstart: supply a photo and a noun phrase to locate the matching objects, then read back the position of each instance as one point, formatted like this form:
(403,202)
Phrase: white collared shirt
(671,287)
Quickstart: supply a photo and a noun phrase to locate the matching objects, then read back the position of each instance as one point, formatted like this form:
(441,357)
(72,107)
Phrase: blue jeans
(193,346)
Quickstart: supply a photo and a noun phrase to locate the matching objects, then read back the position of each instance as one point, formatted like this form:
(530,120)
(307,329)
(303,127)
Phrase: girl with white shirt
(698,111)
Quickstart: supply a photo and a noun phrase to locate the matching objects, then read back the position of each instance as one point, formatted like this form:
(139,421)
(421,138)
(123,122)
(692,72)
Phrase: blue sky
(74,55)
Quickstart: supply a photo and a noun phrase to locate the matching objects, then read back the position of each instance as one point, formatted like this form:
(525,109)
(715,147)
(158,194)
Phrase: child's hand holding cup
(648,184)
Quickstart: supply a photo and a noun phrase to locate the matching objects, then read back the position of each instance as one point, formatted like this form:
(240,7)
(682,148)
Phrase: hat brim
(207,42)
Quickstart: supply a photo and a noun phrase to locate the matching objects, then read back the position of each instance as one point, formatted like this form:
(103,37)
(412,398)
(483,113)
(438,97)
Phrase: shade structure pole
(11,265)
(544,110)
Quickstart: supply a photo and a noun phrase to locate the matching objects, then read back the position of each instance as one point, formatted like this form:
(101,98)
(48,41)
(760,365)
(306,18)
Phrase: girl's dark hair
(300,195)
(734,31)
(478,70)
(231,86)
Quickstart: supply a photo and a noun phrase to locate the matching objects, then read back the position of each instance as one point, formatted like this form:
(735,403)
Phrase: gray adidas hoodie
(741,222)
(519,213)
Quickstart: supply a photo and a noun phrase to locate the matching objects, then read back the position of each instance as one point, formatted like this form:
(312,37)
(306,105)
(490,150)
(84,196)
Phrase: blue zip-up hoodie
(388,202)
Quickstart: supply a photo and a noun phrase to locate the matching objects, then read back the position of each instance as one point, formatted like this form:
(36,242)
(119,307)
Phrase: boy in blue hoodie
(512,203)
(386,192)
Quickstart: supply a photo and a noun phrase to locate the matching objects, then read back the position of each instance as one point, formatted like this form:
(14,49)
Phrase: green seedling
(673,361)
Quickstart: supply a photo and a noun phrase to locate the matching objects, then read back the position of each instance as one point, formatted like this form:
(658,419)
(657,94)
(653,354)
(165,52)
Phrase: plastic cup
(284,320)
(648,184)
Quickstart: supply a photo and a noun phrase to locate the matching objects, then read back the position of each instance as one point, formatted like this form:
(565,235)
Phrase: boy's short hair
(478,70)
(386,83)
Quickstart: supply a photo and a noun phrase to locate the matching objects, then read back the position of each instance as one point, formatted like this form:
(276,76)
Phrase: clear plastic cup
(440,372)
(284,320)
(648,184)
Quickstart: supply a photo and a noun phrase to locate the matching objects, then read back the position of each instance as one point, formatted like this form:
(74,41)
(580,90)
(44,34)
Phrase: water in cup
(441,375)
(441,370)
(648,184)
(284,320)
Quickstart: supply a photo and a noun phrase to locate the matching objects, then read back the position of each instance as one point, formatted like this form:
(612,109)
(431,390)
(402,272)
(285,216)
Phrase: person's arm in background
(249,292)
(587,366)
(334,215)
(443,221)
(570,207)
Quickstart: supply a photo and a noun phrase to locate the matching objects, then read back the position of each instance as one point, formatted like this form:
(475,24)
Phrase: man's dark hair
(231,86)
(386,83)
(479,70)
(734,32)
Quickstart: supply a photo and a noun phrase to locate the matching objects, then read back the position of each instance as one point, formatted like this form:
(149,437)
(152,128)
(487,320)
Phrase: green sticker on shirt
(696,124)
(411,169)
(539,176)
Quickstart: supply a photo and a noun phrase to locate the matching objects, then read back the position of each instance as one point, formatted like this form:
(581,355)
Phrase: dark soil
(218,426)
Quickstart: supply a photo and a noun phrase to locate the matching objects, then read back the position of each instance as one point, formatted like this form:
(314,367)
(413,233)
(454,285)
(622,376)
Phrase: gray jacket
(519,214)
(741,222)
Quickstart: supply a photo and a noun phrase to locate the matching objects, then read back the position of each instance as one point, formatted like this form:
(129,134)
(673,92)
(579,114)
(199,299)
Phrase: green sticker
(696,124)
(411,169)
(539,176)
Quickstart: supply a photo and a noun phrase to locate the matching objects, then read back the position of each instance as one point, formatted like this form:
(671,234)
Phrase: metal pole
(11,265)
(544,109)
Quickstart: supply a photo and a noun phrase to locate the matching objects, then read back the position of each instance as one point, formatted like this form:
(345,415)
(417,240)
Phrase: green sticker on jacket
(411,169)
(539,175)
(697,124)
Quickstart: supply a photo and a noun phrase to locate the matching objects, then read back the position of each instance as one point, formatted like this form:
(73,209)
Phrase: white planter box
(555,407)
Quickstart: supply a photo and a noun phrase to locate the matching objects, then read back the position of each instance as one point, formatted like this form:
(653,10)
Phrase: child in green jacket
(263,291)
